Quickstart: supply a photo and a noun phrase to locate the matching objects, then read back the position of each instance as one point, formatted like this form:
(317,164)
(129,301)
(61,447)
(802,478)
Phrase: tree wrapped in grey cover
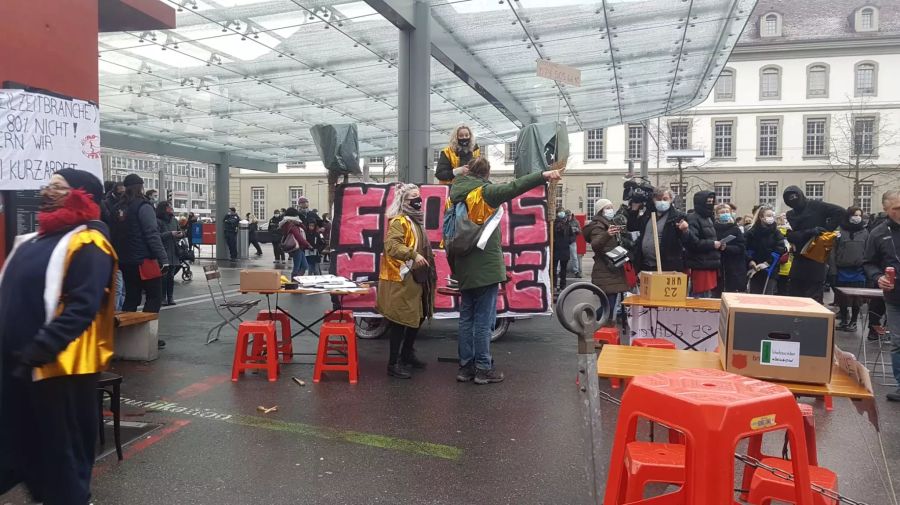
(338,146)
(539,145)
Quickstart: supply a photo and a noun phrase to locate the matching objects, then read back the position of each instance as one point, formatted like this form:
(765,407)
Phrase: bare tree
(855,145)
(675,133)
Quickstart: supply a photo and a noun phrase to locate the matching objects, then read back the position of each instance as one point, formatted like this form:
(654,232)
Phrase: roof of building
(816,20)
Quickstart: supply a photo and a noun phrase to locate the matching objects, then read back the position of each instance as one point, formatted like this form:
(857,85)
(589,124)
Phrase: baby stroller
(186,257)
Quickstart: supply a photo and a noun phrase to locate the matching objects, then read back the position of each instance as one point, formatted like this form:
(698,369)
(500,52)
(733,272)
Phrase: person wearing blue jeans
(480,272)
(291,226)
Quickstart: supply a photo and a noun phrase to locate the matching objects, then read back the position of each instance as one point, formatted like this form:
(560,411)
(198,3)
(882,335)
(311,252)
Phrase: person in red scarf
(57,302)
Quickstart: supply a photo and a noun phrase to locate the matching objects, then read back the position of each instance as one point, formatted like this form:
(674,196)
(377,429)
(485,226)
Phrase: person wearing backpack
(847,260)
(480,271)
(293,241)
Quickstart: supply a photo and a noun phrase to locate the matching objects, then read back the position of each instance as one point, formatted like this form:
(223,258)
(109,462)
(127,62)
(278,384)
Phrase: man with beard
(809,219)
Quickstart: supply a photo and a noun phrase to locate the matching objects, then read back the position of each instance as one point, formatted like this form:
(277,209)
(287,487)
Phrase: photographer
(603,236)
(671,226)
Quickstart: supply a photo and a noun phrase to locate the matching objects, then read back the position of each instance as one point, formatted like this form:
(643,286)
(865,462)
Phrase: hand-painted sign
(562,74)
(40,134)
(357,239)
(690,329)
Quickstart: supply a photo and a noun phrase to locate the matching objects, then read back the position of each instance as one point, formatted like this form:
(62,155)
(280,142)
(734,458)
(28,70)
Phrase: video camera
(638,190)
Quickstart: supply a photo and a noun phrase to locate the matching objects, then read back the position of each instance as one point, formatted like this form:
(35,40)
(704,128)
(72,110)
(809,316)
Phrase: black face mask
(463,142)
(416,203)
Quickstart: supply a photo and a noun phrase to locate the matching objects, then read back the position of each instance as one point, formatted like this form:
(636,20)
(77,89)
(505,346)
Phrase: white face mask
(769,220)
(662,205)
(609,213)
(855,219)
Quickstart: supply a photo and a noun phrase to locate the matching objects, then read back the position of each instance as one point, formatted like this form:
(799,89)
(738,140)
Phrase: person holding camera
(603,236)
(671,226)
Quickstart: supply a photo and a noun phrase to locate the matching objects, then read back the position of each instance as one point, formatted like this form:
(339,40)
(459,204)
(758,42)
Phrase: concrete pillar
(415,97)
(222,205)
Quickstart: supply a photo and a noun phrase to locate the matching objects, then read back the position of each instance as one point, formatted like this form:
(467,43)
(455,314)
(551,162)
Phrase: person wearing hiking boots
(406,279)
(481,271)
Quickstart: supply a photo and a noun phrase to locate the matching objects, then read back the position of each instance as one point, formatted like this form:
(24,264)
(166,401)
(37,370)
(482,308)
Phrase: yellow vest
(785,268)
(454,159)
(479,210)
(390,267)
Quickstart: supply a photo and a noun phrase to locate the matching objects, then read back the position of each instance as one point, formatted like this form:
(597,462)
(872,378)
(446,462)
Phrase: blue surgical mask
(561,215)
(724,218)
(856,219)
(662,205)
(609,213)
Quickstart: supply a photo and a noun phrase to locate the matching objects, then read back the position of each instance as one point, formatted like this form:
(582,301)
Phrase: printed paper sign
(779,353)
(357,239)
(41,134)
(560,73)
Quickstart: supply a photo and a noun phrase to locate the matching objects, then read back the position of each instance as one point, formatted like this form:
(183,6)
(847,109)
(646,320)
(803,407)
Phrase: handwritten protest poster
(41,134)
(689,329)
(357,238)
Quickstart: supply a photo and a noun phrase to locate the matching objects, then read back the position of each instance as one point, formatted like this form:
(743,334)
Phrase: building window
(723,192)
(509,154)
(866,79)
(294,193)
(594,193)
(866,20)
(770,83)
(679,194)
(865,197)
(815,137)
(768,137)
(435,156)
(724,91)
(817,81)
(770,25)
(376,160)
(723,132)
(768,193)
(864,136)
(678,135)
(560,191)
(635,138)
(593,145)
(815,190)
(258,201)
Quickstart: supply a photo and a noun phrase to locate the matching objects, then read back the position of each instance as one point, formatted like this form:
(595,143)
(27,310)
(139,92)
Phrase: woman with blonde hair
(407,279)
(765,245)
(455,158)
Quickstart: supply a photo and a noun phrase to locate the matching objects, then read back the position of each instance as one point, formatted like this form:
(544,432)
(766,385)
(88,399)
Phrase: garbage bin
(244,239)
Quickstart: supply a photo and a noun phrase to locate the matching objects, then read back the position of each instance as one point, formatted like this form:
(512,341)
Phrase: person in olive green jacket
(480,272)
(406,279)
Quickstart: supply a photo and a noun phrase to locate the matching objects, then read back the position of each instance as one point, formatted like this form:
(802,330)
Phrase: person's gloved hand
(762,266)
(820,230)
(19,368)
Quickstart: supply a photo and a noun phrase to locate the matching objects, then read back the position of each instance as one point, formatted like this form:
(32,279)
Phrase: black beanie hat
(133,180)
(86,181)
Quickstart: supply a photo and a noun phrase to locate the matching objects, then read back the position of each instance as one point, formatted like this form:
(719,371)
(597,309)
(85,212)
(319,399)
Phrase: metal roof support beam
(131,143)
(223,197)
(450,53)
(414,116)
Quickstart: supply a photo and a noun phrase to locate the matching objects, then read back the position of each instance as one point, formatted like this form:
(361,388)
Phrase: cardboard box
(664,286)
(260,280)
(782,338)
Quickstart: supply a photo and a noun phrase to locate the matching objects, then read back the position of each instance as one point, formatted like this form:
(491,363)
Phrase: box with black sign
(781,338)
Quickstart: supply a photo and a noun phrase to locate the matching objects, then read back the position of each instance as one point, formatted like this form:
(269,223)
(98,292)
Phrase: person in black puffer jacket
(765,244)
(808,219)
(733,274)
(847,260)
(703,251)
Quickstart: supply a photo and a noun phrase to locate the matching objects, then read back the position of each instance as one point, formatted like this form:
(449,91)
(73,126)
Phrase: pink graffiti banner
(357,239)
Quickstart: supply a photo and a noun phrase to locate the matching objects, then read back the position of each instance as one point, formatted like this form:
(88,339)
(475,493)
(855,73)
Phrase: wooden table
(710,304)
(625,362)
(340,293)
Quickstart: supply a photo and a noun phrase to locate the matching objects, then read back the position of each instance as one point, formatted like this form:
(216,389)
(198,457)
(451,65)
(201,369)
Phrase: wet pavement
(428,440)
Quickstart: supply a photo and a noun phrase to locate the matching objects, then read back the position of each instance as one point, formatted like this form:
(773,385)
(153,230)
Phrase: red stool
(767,487)
(285,345)
(713,410)
(255,360)
(337,351)
(609,336)
(338,316)
(657,343)
(646,462)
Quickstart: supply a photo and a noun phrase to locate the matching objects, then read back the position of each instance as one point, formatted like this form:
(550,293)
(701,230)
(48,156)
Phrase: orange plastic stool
(285,345)
(829,403)
(713,410)
(657,343)
(255,360)
(648,462)
(337,351)
(767,487)
(338,316)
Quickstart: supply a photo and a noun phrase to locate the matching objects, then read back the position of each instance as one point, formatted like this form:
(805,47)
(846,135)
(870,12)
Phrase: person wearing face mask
(275,233)
(703,250)
(765,245)
(456,157)
(57,306)
(563,237)
(170,235)
(152,197)
(809,219)
(603,236)
(406,280)
(672,228)
(847,263)
(733,273)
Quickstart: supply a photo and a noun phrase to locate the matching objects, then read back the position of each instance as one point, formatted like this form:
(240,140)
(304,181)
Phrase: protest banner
(688,329)
(357,239)
(41,134)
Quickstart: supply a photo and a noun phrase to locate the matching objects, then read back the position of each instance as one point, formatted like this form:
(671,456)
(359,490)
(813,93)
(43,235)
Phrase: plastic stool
(767,487)
(647,462)
(255,360)
(657,343)
(337,351)
(338,316)
(714,410)
(285,345)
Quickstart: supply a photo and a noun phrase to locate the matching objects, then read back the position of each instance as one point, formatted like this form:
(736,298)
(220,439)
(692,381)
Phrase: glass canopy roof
(251,76)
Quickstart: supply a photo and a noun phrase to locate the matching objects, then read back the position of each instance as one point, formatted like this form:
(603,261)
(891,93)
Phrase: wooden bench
(137,336)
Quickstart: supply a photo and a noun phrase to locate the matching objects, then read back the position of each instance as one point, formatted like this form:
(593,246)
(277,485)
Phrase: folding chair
(228,310)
